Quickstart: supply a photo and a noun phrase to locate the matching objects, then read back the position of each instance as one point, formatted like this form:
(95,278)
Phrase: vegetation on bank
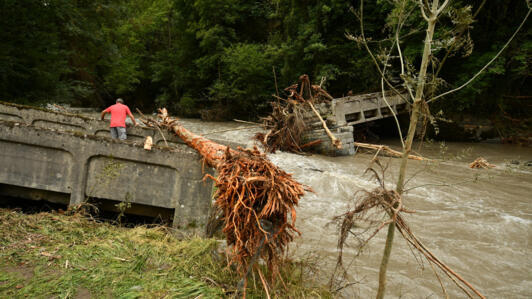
(221,54)
(49,254)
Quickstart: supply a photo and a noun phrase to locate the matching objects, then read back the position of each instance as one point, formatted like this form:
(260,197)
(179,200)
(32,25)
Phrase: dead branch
(389,202)
(285,127)
(335,141)
(285,124)
(388,150)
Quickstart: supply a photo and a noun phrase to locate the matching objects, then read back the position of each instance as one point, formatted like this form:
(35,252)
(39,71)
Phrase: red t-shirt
(118,115)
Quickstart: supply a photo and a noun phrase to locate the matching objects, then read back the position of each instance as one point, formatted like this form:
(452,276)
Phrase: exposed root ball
(250,189)
(255,197)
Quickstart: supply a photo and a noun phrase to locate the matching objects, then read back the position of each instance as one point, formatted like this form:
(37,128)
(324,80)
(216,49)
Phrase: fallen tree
(257,199)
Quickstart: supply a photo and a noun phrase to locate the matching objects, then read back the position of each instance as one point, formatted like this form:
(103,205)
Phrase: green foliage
(53,255)
(192,55)
(507,78)
(246,78)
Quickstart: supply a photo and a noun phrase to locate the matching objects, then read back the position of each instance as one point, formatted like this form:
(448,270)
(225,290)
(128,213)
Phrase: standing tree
(421,86)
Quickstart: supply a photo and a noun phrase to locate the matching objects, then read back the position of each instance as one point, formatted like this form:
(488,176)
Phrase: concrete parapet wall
(43,118)
(362,108)
(85,166)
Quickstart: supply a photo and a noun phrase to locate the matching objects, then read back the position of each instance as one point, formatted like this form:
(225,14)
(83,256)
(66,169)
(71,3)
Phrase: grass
(47,255)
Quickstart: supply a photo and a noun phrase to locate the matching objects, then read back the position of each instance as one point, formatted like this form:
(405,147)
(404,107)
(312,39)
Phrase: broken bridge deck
(358,109)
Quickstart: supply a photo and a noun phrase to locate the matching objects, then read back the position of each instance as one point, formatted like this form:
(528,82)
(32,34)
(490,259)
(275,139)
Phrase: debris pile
(481,163)
(286,123)
(285,128)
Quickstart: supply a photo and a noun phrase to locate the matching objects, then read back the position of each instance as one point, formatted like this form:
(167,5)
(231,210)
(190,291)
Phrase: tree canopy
(222,54)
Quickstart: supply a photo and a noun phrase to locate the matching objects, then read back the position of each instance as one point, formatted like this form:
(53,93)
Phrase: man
(118,113)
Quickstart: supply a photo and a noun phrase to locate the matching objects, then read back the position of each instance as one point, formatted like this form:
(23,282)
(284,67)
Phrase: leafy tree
(191,55)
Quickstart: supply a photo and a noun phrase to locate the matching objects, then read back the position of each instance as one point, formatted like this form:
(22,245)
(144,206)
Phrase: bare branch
(421,6)
(403,66)
(361,18)
(399,26)
(393,113)
(488,64)
(442,7)
(398,30)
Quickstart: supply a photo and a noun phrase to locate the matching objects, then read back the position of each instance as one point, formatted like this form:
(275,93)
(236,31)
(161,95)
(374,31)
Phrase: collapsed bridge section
(344,114)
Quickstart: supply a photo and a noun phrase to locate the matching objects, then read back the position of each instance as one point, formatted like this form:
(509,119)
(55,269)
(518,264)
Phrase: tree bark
(416,108)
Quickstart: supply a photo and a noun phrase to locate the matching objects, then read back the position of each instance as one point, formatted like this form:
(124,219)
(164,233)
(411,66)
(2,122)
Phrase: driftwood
(481,163)
(316,93)
(285,124)
(335,141)
(285,127)
(370,206)
(388,150)
(257,199)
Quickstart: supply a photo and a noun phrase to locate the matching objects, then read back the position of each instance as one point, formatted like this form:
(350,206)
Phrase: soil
(23,271)
(82,293)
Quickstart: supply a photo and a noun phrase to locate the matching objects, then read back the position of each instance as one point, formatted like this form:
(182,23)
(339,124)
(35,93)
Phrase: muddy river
(476,221)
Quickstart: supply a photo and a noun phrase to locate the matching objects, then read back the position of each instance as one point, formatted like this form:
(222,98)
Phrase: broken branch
(388,150)
(335,141)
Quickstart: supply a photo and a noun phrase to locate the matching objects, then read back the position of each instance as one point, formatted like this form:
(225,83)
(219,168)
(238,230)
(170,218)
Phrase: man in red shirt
(118,113)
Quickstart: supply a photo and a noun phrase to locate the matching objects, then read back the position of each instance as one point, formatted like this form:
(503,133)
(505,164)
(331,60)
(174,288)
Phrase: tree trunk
(416,108)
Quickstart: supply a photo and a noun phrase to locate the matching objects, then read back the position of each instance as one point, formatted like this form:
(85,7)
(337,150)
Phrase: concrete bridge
(344,114)
(354,110)
(68,158)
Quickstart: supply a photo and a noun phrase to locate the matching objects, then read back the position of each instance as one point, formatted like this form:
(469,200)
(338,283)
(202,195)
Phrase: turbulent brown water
(479,225)
(477,221)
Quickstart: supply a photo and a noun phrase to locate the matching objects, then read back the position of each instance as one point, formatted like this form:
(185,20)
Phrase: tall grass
(52,255)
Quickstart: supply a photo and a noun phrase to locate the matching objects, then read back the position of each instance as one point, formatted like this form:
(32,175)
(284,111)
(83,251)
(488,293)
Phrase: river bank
(49,254)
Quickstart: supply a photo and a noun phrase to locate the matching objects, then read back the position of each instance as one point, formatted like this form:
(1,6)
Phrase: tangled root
(286,124)
(286,127)
(256,198)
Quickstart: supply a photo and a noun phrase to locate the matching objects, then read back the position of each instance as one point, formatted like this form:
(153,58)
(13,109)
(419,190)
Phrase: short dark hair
(119,100)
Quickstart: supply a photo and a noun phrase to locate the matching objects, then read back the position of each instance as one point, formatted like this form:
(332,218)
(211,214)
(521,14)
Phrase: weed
(54,255)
